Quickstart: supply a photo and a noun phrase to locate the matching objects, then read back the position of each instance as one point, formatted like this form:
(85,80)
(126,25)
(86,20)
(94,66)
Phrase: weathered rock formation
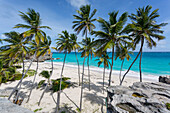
(139,98)
(164,79)
(7,107)
(41,58)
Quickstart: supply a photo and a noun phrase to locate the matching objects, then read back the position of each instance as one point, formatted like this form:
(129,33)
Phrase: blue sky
(58,14)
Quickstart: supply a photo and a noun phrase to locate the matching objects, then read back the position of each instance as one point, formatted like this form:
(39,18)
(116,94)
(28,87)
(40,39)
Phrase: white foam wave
(114,72)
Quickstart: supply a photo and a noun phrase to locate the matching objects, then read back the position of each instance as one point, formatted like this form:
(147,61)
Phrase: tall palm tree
(46,50)
(43,49)
(84,20)
(87,51)
(63,44)
(75,46)
(123,52)
(14,50)
(111,33)
(144,28)
(33,21)
(105,60)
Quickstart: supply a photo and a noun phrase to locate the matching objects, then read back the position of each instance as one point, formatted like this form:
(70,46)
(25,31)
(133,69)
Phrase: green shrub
(40,84)
(56,84)
(168,106)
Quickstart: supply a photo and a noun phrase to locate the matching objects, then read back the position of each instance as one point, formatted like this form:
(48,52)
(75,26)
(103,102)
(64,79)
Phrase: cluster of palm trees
(115,35)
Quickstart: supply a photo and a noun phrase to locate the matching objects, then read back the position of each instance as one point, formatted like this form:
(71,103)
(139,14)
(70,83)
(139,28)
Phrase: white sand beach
(92,100)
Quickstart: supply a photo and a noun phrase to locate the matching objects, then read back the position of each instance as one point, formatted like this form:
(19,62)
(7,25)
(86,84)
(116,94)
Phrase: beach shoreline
(134,74)
(92,100)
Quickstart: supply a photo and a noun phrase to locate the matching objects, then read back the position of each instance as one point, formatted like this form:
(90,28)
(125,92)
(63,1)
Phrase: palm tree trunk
(82,85)
(88,71)
(33,82)
(132,62)
(111,66)
(121,70)
(141,60)
(110,74)
(17,93)
(78,67)
(58,96)
(103,77)
(47,83)
(15,88)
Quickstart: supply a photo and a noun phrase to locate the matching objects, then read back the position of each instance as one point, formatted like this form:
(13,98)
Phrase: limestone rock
(164,79)
(42,58)
(7,107)
(139,98)
(5,93)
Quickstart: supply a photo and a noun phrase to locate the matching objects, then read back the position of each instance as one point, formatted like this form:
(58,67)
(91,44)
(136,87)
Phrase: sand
(93,100)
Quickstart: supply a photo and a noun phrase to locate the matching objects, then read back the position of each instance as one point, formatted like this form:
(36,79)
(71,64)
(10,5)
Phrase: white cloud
(78,3)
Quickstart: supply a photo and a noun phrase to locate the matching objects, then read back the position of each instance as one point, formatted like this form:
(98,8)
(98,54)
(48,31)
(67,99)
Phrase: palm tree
(84,20)
(110,34)
(63,44)
(15,49)
(75,47)
(87,50)
(122,52)
(144,28)
(43,49)
(33,21)
(46,49)
(46,75)
(105,60)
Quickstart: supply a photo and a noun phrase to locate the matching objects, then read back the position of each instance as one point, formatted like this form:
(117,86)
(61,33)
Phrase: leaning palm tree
(33,21)
(123,52)
(84,20)
(105,60)
(43,49)
(111,33)
(144,28)
(46,50)
(63,44)
(15,49)
(75,46)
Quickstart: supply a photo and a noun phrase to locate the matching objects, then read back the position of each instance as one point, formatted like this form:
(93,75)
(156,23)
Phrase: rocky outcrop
(5,93)
(7,107)
(42,58)
(140,97)
(164,79)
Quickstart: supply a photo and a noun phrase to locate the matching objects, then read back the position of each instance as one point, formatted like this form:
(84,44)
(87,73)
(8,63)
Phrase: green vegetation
(64,84)
(168,106)
(38,110)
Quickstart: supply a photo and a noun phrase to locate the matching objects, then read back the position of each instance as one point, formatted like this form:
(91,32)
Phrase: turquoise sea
(153,63)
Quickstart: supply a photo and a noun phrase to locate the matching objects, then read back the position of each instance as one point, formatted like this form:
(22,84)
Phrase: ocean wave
(114,72)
